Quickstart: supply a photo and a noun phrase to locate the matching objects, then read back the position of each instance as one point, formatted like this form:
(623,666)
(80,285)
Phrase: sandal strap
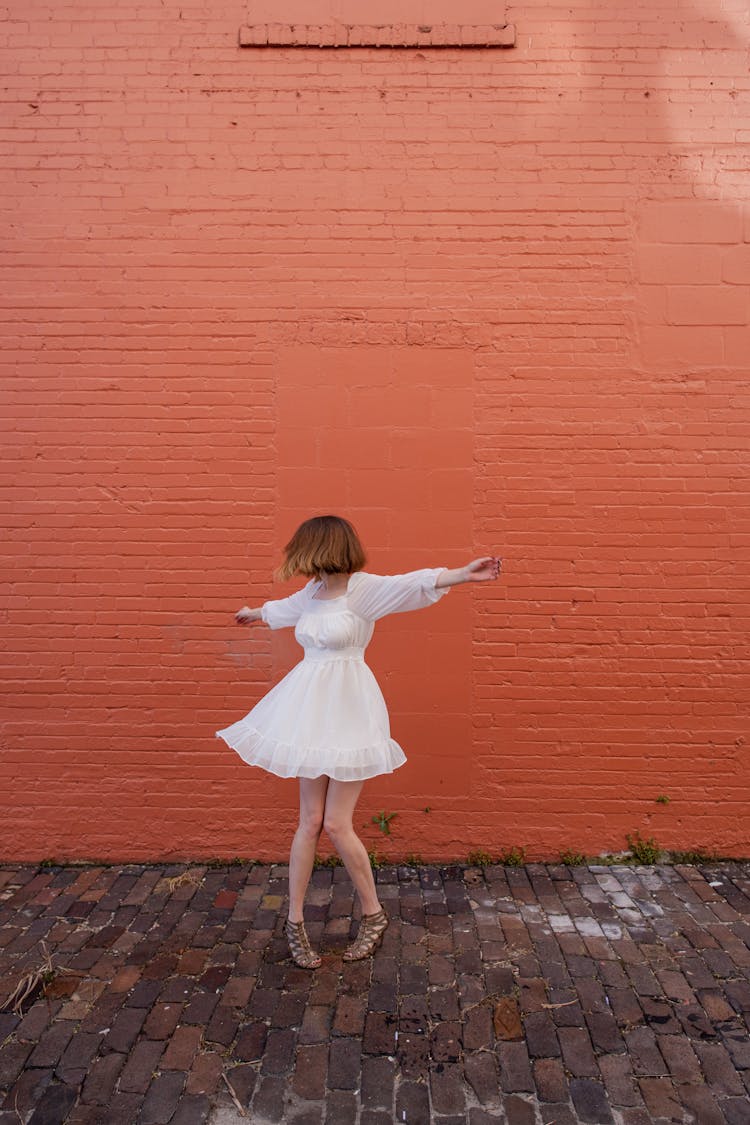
(371,927)
(299,944)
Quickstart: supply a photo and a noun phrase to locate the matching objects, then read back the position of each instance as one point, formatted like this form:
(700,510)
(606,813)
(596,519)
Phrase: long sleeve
(374,595)
(284,612)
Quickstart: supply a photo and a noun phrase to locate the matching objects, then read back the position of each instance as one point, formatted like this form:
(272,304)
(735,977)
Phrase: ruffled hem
(279,758)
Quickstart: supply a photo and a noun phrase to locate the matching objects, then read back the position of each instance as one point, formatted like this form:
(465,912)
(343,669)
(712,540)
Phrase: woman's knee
(311,822)
(337,826)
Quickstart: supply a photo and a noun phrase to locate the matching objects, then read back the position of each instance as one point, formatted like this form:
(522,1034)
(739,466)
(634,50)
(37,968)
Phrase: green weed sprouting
(383,821)
(644,851)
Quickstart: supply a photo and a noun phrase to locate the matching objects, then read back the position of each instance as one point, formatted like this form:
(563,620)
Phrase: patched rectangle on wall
(385,436)
(411,23)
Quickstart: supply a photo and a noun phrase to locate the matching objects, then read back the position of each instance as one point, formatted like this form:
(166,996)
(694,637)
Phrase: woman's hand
(481,570)
(245,615)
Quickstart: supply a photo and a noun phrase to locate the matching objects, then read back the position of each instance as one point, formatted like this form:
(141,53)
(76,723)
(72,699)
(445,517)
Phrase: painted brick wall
(477,300)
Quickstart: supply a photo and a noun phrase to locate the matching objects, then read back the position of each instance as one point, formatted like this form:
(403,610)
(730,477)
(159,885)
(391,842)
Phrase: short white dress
(328,715)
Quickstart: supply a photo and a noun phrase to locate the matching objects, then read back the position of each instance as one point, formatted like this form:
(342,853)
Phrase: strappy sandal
(299,946)
(371,930)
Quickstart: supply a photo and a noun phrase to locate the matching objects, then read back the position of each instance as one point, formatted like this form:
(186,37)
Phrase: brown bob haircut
(323,543)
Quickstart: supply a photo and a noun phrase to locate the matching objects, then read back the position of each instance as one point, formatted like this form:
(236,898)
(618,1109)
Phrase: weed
(328,861)
(383,820)
(428,808)
(515,857)
(238,861)
(644,851)
(413,860)
(479,859)
(662,799)
(697,855)
(375,860)
(573,859)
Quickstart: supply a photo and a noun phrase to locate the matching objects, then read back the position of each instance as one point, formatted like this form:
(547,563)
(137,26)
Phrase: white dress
(328,715)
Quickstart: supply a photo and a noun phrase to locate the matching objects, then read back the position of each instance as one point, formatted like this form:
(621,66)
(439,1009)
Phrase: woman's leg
(312,798)
(341,799)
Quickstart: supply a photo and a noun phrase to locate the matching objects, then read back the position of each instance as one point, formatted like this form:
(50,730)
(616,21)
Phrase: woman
(326,721)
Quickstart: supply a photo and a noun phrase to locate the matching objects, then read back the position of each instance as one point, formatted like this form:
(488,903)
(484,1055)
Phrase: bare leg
(341,799)
(312,797)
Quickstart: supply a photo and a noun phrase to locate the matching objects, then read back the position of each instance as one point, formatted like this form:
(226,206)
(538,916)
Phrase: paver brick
(193,1109)
(76,1058)
(447,1091)
(182,1048)
(590,1101)
(101,1078)
(483,1075)
(205,1073)
(718,1068)
(278,1053)
(377,1082)
(549,1080)
(515,1067)
(344,1063)
(412,1103)
(138,1072)
(162,1098)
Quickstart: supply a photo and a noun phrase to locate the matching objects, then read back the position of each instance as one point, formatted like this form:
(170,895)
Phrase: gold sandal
(371,930)
(299,946)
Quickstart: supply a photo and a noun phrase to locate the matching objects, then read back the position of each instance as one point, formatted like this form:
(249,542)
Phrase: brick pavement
(536,995)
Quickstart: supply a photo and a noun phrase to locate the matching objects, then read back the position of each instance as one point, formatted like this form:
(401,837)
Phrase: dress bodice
(332,627)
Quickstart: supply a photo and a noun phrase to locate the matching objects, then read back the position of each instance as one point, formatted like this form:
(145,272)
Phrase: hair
(322,543)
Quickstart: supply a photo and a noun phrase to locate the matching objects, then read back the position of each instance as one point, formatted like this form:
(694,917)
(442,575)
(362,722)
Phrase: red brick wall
(476,300)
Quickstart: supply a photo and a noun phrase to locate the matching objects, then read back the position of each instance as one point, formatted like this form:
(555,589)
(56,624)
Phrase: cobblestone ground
(536,995)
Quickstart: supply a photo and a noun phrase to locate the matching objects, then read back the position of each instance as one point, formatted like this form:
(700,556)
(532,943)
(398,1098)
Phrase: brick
(519,1111)
(661,1098)
(550,1080)
(278,1053)
(515,1067)
(182,1048)
(717,1066)
(412,1103)
(482,1074)
(344,1063)
(251,1041)
(349,1018)
(205,1073)
(125,1029)
(446,1042)
(377,1082)
(193,1109)
(101,1078)
(162,1098)
(162,1020)
(590,1101)
(707,305)
(690,221)
(577,1053)
(379,1036)
(54,1104)
(316,1024)
(310,1071)
(222,1027)
(142,1061)
(447,1091)
(75,1060)
(51,1045)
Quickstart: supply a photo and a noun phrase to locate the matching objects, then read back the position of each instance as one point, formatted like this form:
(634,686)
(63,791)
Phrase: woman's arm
(480,570)
(245,615)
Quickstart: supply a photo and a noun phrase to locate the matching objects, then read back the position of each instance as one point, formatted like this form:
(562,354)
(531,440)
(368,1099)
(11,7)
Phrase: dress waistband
(325,654)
